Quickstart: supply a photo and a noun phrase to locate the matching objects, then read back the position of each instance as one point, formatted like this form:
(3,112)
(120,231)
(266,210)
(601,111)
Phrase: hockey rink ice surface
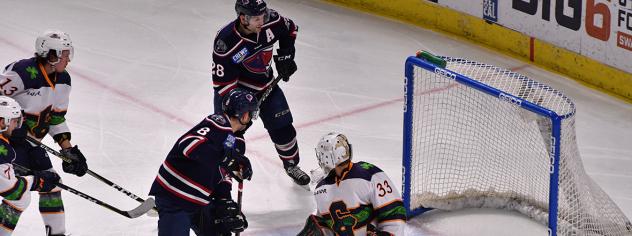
(141,77)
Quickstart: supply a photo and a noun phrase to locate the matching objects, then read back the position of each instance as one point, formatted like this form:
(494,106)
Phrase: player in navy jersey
(41,85)
(242,53)
(192,188)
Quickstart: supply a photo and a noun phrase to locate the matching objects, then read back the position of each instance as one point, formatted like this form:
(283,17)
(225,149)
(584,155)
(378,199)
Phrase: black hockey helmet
(251,7)
(239,101)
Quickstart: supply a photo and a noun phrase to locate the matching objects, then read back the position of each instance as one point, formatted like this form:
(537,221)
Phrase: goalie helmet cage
(479,136)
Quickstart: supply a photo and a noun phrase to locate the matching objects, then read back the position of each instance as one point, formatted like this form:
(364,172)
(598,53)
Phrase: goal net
(479,136)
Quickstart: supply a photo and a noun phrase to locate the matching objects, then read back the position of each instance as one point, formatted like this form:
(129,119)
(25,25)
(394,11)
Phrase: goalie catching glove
(77,164)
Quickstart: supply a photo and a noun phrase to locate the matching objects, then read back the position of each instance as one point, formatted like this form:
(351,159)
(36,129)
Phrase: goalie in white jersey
(353,198)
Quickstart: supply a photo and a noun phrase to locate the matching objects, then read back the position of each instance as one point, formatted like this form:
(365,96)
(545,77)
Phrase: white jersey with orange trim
(44,97)
(363,199)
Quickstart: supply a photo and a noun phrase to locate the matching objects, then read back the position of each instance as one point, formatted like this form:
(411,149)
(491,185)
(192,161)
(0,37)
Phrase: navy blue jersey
(191,172)
(245,59)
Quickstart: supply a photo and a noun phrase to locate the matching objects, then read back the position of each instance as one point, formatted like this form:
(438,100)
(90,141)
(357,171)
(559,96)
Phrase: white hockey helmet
(53,40)
(10,109)
(333,149)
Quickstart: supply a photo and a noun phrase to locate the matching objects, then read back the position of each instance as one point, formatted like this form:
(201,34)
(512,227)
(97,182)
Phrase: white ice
(141,77)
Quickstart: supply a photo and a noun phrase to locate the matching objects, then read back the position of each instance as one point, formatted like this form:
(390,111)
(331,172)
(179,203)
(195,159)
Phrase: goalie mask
(10,109)
(53,41)
(333,149)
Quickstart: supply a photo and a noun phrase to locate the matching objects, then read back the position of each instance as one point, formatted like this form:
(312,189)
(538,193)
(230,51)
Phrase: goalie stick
(95,175)
(140,210)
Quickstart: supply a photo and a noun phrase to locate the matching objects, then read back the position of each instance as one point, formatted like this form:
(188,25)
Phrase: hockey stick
(95,175)
(268,90)
(240,193)
(140,210)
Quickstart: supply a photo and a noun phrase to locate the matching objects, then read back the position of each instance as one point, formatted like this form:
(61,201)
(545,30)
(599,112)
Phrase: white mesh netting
(471,149)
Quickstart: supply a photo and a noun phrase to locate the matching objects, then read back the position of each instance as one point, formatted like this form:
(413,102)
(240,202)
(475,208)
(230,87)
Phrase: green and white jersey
(364,198)
(43,97)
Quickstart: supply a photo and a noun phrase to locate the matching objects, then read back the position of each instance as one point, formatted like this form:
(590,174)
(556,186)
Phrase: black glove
(228,217)
(237,165)
(285,65)
(77,165)
(18,137)
(44,181)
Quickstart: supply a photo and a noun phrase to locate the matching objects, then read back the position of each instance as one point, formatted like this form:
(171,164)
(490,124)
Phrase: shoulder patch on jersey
(365,165)
(33,72)
(3,150)
(220,46)
(273,14)
(239,56)
(219,119)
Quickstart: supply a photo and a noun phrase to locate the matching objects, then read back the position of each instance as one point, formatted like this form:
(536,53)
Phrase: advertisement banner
(598,29)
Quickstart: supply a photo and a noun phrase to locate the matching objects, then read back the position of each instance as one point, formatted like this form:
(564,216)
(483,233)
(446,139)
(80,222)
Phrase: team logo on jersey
(218,119)
(32,72)
(259,62)
(3,150)
(239,56)
(220,46)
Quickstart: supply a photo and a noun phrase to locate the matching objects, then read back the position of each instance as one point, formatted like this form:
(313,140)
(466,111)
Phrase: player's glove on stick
(228,218)
(285,65)
(44,181)
(77,164)
(238,166)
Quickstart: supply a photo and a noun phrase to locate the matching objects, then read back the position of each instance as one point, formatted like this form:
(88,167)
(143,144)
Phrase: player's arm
(224,68)
(10,83)
(58,127)
(388,207)
(13,187)
(287,31)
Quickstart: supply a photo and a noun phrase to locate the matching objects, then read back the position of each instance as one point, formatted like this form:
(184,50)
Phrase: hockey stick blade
(148,205)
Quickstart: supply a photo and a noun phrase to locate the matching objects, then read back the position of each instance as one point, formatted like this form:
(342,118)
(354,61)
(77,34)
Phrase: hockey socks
(9,216)
(286,146)
(284,140)
(51,208)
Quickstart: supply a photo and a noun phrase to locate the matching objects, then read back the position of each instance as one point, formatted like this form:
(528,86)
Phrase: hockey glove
(238,166)
(77,164)
(18,137)
(285,65)
(228,217)
(44,181)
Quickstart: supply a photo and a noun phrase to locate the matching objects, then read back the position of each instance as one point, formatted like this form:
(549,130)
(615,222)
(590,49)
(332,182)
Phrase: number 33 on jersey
(363,198)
